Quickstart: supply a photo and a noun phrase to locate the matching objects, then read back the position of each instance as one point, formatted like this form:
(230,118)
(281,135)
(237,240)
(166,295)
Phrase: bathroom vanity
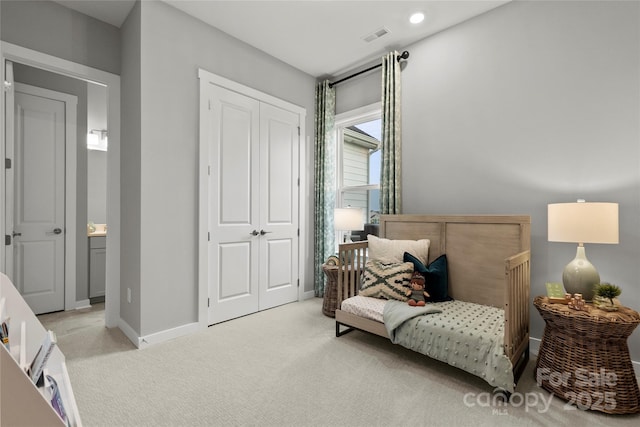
(97,260)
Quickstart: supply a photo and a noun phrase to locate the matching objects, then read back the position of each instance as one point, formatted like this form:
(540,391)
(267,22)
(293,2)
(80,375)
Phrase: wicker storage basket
(330,290)
(584,357)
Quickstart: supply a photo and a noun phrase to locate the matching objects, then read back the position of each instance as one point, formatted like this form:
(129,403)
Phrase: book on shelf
(4,332)
(40,360)
(56,399)
(4,324)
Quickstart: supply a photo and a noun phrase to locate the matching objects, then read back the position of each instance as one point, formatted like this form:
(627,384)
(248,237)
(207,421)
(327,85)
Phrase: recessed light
(416,18)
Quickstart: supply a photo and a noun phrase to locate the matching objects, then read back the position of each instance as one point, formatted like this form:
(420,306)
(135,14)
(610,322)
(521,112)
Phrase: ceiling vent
(375,35)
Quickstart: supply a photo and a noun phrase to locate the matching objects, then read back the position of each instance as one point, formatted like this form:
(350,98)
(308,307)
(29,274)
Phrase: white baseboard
(534,347)
(85,303)
(128,332)
(308,295)
(158,337)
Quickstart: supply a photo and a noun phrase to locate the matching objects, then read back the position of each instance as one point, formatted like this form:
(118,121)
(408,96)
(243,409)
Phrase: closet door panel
(279,145)
(234,205)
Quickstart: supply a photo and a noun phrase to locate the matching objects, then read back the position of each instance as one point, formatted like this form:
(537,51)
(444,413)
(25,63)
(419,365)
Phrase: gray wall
(53,29)
(96,160)
(97,186)
(130,165)
(530,104)
(78,88)
(48,27)
(174,45)
(359,91)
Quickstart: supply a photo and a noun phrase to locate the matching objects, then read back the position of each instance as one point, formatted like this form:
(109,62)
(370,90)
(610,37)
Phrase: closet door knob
(262,232)
(254,233)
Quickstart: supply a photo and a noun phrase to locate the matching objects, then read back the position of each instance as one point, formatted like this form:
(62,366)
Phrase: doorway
(59,66)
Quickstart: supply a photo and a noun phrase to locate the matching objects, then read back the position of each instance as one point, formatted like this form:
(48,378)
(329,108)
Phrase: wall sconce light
(97,140)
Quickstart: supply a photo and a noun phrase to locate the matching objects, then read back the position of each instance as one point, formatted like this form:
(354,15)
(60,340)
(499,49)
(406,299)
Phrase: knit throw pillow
(390,250)
(388,281)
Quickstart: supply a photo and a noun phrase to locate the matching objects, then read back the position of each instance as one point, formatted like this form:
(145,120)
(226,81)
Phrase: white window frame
(344,120)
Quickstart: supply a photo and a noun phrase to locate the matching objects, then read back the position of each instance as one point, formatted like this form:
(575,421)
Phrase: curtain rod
(403,55)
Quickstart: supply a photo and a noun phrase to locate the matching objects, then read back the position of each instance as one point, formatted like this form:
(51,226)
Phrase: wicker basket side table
(331,290)
(584,357)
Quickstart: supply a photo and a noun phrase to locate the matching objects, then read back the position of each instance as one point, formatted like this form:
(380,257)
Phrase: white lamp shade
(348,219)
(583,222)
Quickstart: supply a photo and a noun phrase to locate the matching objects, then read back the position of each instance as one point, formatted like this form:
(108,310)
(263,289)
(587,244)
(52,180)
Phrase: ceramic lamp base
(580,276)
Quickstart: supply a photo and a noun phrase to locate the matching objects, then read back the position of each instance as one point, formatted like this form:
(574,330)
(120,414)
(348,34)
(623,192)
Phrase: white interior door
(253,204)
(234,205)
(279,145)
(38,195)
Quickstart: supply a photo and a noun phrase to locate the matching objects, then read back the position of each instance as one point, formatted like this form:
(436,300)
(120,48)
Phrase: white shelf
(24,404)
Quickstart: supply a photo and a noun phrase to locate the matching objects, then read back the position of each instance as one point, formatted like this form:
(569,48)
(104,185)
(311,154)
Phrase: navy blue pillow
(436,276)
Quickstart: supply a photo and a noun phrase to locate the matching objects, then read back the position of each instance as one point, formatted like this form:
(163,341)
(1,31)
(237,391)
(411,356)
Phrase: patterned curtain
(390,173)
(325,165)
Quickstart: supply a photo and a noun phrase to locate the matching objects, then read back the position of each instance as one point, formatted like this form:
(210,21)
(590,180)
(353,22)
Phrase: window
(359,160)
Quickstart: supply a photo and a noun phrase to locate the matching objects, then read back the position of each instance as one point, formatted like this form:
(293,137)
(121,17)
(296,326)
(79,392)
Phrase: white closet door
(233,205)
(279,145)
(252,203)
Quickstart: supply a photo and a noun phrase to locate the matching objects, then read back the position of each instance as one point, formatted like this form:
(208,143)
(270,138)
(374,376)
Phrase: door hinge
(208,302)
(208,170)
(7,163)
(298,232)
(7,240)
(208,236)
(209,104)
(298,130)
(298,282)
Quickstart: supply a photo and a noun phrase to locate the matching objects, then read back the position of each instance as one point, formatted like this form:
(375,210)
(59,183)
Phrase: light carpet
(285,367)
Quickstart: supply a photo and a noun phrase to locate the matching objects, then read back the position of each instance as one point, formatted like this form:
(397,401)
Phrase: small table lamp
(348,219)
(582,223)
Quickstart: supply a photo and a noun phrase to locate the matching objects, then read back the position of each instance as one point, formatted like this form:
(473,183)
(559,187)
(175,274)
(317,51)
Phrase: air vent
(376,35)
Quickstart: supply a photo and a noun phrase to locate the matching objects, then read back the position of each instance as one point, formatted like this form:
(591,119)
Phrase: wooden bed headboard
(476,247)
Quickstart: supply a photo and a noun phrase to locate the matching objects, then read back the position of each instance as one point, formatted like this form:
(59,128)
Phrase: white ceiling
(321,38)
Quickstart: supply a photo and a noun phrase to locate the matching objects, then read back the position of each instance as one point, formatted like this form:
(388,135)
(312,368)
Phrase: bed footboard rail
(516,308)
(351,260)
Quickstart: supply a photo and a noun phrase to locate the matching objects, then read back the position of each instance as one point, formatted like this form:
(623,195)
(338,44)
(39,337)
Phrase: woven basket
(584,357)
(330,290)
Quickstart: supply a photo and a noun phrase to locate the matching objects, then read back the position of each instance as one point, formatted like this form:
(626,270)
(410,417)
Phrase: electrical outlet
(129,295)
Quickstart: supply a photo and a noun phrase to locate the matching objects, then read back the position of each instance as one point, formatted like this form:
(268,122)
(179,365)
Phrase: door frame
(54,64)
(207,78)
(70,173)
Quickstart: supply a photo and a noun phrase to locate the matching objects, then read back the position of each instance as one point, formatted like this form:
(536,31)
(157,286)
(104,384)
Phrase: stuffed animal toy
(416,292)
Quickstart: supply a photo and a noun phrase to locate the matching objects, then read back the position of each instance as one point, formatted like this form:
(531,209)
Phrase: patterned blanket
(462,334)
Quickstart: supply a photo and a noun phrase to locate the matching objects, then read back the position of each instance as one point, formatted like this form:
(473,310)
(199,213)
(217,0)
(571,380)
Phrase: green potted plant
(607,291)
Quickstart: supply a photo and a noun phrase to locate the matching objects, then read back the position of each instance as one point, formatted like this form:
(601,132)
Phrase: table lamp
(581,223)
(348,219)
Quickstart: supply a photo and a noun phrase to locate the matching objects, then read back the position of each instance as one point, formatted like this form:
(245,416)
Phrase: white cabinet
(21,402)
(97,265)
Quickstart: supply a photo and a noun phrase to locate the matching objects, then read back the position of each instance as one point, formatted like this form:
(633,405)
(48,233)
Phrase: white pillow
(392,251)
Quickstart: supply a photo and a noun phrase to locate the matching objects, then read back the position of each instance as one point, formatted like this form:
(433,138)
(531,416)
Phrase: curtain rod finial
(403,55)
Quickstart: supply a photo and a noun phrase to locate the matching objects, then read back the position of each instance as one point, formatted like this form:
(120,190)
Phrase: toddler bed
(478,276)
